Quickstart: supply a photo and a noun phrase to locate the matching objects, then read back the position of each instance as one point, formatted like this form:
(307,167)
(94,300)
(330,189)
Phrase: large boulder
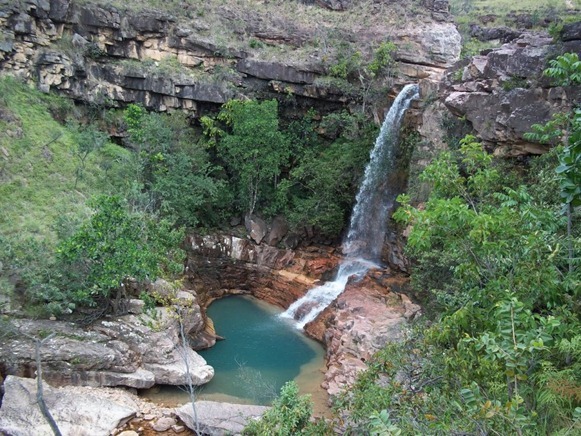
(278,230)
(219,419)
(77,412)
(256,228)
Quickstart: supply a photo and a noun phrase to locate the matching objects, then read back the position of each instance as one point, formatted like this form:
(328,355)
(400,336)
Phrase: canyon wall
(111,56)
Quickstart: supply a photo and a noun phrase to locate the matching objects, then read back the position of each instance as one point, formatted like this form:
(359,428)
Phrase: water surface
(259,354)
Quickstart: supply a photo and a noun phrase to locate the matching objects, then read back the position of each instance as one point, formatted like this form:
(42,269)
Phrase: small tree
(88,141)
(113,246)
(565,128)
(290,414)
(254,150)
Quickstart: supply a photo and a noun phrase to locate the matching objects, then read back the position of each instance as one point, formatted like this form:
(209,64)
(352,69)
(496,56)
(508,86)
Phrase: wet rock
(366,316)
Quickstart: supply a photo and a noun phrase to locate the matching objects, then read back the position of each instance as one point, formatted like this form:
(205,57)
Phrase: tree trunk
(39,390)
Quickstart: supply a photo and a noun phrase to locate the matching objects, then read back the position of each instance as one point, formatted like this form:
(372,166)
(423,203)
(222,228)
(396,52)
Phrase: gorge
(227,147)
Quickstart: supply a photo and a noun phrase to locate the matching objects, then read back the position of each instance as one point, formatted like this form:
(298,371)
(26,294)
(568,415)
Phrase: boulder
(163,424)
(76,412)
(174,370)
(219,419)
(256,228)
(278,230)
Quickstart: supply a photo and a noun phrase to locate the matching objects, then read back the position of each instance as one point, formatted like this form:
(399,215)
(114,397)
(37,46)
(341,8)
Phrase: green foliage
(565,69)
(290,414)
(88,140)
(491,257)
(115,245)
(381,425)
(347,65)
(324,181)
(382,58)
(254,150)
(174,176)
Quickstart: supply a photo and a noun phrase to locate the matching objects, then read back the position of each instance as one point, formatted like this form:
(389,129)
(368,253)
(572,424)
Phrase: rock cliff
(203,55)
(502,92)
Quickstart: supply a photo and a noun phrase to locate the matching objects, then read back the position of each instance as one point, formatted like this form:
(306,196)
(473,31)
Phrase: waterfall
(364,240)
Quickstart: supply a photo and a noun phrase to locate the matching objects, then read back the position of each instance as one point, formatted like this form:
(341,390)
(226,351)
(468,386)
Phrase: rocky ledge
(86,411)
(101,54)
(135,350)
(502,92)
(369,314)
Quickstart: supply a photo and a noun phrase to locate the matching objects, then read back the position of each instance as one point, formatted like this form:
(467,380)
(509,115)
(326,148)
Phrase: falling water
(364,240)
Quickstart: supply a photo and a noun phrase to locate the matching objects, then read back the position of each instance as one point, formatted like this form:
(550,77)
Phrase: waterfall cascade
(364,240)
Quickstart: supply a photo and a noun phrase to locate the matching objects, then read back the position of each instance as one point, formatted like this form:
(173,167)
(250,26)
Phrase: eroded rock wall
(221,265)
(101,54)
(135,350)
(502,92)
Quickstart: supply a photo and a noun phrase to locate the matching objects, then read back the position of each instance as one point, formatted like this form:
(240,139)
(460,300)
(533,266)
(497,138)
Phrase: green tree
(255,151)
(565,70)
(112,246)
(174,173)
(88,141)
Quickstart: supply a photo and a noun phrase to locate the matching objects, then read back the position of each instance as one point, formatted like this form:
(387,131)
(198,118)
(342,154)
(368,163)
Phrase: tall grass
(38,166)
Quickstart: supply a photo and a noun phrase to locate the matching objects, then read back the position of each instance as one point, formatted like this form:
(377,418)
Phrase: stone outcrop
(219,419)
(221,265)
(77,412)
(361,321)
(136,351)
(100,54)
(502,93)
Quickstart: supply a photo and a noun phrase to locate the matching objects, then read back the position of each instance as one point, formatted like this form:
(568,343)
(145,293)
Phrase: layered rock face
(136,351)
(502,93)
(109,56)
(221,265)
(369,314)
